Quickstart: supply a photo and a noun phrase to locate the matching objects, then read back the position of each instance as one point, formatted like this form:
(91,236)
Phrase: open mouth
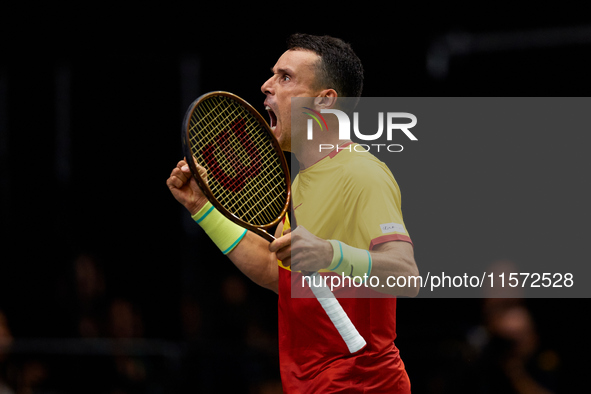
(272,117)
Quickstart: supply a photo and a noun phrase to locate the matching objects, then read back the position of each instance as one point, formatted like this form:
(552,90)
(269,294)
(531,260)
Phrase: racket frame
(261,230)
(327,300)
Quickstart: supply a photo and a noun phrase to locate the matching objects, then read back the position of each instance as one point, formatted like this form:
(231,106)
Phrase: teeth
(267,108)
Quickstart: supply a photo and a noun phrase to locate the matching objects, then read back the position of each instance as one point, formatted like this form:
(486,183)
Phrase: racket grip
(337,314)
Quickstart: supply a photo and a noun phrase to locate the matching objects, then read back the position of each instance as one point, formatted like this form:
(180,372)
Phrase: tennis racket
(248,177)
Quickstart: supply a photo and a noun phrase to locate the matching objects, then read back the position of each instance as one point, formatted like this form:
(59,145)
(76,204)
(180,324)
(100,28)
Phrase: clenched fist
(184,187)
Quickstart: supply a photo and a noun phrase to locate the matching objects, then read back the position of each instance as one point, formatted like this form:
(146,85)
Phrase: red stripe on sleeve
(387,238)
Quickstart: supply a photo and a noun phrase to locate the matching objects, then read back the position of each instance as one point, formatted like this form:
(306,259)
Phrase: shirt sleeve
(378,206)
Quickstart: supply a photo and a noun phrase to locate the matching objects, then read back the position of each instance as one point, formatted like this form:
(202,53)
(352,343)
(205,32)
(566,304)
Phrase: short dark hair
(340,68)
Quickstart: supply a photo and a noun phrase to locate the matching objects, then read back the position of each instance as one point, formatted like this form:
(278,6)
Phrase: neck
(309,152)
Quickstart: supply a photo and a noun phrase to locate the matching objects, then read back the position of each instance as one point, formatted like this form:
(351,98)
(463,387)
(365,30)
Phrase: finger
(177,173)
(176,181)
(286,262)
(284,253)
(202,173)
(184,166)
(200,169)
(280,243)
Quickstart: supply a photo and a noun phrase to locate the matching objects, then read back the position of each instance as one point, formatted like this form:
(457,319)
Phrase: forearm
(387,262)
(394,260)
(253,258)
(310,253)
(249,252)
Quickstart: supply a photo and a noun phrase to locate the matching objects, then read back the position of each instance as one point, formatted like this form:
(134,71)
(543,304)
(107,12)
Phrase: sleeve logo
(392,227)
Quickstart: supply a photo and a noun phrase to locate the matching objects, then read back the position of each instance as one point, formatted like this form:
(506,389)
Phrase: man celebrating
(341,199)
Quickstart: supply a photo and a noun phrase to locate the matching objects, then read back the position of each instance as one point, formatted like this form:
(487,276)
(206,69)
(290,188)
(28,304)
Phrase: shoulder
(365,169)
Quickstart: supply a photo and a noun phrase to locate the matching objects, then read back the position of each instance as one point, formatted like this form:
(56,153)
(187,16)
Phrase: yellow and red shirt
(352,197)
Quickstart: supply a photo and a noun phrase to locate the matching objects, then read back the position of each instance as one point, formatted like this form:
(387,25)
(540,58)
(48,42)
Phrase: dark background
(91,103)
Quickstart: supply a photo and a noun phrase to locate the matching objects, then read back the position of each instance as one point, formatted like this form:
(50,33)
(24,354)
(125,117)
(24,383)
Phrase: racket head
(247,174)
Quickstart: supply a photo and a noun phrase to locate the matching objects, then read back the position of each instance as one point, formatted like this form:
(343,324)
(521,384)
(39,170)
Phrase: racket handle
(336,313)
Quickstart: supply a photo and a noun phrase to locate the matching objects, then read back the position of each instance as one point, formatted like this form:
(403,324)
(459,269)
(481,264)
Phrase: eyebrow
(282,71)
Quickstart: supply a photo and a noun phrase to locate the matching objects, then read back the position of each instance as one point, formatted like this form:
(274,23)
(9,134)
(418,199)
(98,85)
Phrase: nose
(267,87)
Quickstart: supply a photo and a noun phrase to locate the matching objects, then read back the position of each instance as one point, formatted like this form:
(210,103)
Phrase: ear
(326,99)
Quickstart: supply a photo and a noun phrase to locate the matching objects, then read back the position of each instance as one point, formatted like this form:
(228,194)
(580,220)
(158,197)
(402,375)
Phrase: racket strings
(243,158)
(268,155)
(265,195)
(268,187)
(217,124)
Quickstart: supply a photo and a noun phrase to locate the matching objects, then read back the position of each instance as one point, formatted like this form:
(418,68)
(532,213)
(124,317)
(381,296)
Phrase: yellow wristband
(223,232)
(350,261)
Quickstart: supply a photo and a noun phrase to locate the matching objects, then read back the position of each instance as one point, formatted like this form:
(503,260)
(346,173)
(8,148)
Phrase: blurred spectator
(90,291)
(223,333)
(191,319)
(5,342)
(509,354)
(500,288)
(507,348)
(33,378)
(125,320)
(82,299)
(268,387)
(125,323)
(5,336)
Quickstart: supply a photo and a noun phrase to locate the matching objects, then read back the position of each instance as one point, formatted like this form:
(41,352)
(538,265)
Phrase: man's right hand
(184,187)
